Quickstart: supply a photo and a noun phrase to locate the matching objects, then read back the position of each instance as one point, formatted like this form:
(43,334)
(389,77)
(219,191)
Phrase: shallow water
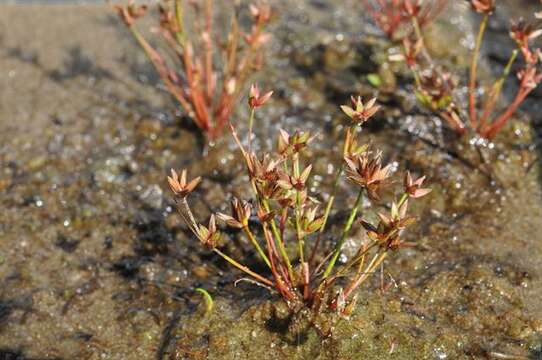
(94,263)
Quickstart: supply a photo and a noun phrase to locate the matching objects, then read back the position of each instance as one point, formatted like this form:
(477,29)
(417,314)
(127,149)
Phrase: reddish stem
(491,131)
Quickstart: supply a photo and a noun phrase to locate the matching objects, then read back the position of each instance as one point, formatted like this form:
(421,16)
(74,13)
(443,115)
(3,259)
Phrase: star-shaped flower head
(180,186)
(256,99)
(366,171)
(359,112)
(241,211)
(413,187)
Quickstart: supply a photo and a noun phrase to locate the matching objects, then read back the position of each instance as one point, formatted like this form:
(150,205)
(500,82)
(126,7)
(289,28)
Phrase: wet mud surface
(95,264)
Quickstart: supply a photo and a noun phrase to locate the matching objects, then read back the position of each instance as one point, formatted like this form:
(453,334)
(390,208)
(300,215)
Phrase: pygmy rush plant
(289,222)
(203,71)
(435,87)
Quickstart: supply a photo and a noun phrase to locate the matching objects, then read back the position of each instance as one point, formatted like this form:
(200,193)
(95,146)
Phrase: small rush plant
(485,113)
(285,223)
(202,67)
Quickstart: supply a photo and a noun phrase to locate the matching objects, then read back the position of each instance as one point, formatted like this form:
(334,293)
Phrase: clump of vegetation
(203,68)
(485,114)
(395,16)
(285,223)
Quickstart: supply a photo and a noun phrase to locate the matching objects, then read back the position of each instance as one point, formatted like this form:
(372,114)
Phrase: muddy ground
(95,264)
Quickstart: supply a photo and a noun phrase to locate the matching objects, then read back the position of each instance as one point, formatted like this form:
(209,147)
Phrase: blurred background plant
(289,224)
(203,67)
(485,112)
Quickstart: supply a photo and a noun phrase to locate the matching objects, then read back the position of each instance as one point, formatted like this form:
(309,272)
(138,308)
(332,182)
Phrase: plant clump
(285,222)
(484,113)
(203,68)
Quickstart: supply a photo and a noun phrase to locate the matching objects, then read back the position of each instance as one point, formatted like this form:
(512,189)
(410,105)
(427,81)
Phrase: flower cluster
(212,69)
(291,221)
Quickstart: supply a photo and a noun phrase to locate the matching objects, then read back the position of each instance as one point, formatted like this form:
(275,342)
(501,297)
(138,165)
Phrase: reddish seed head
(413,187)
(366,171)
(180,186)
(255,99)
(482,6)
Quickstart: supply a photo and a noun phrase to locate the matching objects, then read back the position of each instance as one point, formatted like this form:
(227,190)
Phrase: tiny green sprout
(208,300)
(375,80)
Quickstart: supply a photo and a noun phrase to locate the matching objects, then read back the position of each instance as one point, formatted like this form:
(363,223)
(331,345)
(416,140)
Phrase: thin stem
(362,260)
(450,115)
(331,199)
(473,72)
(266,206)
(208,45)
(256,245)
(355,259)
(375,262)
(181,35)
(336,179)
(404,198)
(347,227)
(186,214)
(279,241)
(492,130)
(245,269)
(250,124)
(299,234)
(416,77)
(162,70)
(419,36)
(496,90)
(284,289)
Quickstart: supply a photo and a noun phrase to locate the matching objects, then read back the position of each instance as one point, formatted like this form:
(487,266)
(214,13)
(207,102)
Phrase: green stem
(279,241)
(250,125)
(354,260)
(419,36)
(244,269)
(473,72)
(181,36)
(375,262)
(404,198)
(256,245)
(416,78)
(496,90)
(347,227)
(300,242)
(335,184)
